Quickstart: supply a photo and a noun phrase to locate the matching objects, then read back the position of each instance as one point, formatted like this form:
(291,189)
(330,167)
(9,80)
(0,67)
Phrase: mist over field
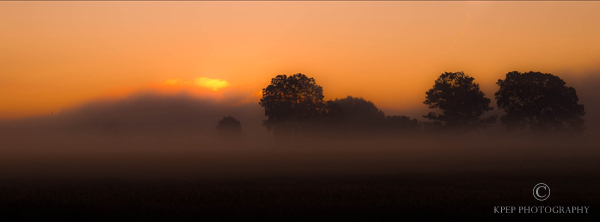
(174,156)
(159,157)
(170,136)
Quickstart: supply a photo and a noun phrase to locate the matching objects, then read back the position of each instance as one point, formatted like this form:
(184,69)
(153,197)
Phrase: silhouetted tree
(360,113)
(290,101)
(461,101)
(540,101)
(333,112)
(229,128)
(329,120)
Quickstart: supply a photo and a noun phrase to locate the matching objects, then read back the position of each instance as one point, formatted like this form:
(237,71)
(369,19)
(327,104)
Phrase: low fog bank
(140,116)
(174,136)
(173,159)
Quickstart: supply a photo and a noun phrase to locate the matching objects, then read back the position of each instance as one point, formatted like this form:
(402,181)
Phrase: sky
(56,55)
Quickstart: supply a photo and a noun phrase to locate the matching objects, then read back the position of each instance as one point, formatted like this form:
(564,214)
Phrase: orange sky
(54,55)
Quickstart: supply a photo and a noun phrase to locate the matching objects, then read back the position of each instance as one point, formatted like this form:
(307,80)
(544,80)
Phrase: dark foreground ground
(345,180)
(411,196)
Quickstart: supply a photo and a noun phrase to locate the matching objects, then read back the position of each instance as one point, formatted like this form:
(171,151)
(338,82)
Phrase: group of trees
(536,100)
(542,102)
(294,106)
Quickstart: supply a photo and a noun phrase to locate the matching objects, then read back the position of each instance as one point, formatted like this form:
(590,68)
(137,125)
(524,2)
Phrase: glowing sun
(213,84)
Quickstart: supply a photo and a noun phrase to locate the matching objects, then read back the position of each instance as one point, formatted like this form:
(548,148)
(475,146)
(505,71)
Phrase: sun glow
(214,84)
(217,90)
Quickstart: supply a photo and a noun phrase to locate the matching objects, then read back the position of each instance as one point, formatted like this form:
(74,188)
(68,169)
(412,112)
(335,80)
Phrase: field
(397,196)
(300,180)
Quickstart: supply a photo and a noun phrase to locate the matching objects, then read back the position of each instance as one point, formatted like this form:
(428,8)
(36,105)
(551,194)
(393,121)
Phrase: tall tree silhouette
(229,128)
(541,101)
(461,101)
(290,101)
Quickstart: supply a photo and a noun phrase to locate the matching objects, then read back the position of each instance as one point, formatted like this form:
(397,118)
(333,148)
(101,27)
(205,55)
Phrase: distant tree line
(294,106)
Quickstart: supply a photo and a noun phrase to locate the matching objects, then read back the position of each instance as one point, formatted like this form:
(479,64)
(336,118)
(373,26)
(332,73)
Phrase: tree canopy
(291,100)
(541,101)
(229,127)
(360,115)
(461,101)
(360,112)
